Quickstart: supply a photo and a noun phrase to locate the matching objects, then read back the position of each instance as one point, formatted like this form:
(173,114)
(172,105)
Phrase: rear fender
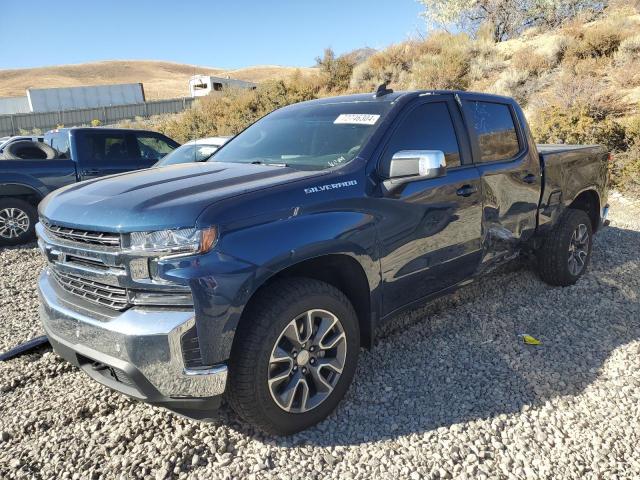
(16,185)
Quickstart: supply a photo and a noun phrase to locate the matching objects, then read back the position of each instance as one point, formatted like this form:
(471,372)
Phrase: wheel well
(22,192)
(589,202)
(345,274)
(31,199)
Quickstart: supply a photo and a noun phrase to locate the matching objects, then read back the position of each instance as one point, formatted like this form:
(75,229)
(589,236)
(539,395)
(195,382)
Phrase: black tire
(27,149)
(19,205)
(268,315)
(554,255)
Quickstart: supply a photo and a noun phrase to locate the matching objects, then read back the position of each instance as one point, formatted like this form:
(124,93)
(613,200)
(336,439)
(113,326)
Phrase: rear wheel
(566,251)
(17,221)
(294,357)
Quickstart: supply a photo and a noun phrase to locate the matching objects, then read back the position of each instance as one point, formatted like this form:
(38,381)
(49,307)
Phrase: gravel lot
(449,391)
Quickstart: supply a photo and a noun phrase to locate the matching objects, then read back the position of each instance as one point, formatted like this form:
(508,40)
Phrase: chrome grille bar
(92,291)
(82,236)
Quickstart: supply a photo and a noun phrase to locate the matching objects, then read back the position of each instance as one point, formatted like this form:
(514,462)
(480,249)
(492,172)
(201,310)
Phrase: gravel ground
(449,391)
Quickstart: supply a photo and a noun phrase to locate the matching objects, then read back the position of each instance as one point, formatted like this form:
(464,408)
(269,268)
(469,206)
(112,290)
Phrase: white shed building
(9,105)
(40,100)
(72,98)
(202,85)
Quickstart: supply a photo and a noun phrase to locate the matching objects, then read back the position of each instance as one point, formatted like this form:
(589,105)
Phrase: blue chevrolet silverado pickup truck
(80,154)
(259,274)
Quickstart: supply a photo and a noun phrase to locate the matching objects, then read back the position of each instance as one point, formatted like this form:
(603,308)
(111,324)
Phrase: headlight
(174,242)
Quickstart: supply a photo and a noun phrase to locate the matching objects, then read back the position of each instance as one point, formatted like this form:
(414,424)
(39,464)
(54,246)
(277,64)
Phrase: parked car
(6,141)
(260,273)
(80,154)
(193,151)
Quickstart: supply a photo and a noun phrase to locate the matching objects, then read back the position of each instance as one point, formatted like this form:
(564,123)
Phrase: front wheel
(294,356)
(566,251)
(17,221)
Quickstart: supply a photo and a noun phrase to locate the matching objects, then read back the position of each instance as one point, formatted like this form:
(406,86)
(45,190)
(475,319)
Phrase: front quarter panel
(287,227)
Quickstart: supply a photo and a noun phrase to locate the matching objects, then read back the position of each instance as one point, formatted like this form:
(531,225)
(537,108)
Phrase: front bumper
(137,352)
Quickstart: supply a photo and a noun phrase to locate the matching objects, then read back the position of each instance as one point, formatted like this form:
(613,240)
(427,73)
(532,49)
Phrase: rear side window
(152,147)
(427,127)
(105,148)
(60,141)
(496,130)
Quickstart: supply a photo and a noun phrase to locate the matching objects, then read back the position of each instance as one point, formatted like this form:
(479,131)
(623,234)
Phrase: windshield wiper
(274,164)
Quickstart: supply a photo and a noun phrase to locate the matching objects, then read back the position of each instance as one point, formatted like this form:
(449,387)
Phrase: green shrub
(626,66)
(444,62)
(96,122)
(385,66)
(33,132)
(625,170)
(514,83)
(233,110)
(336,71)
(529,61)
(578,125)
(629,50)
(599,40)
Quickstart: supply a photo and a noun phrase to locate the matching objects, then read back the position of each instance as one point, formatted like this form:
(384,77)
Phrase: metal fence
(13,124)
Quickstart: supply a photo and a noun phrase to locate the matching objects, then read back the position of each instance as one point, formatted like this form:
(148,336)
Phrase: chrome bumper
(140,345)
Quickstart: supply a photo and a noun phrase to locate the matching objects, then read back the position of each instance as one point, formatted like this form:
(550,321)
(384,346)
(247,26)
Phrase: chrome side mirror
(418,163)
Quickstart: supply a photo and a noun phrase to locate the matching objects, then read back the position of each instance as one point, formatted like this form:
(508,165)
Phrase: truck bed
(551,149)
(567,170)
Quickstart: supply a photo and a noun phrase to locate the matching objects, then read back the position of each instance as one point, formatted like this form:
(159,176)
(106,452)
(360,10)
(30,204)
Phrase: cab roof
(404,94)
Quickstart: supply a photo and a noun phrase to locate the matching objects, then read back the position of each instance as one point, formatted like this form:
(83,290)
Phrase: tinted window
(427,127)
(60,141)
(152,147)
(106,148)
(307,137)
(496,131)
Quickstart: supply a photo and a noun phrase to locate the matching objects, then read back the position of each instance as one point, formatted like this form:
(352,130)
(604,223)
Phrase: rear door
(509,172)
(105,153)
(429,229)
(151,147)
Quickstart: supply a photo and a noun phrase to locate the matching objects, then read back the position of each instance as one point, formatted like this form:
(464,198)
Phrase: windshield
(193,152)
(307,137)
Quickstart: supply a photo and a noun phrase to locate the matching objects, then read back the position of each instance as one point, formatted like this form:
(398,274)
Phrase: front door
(430,229)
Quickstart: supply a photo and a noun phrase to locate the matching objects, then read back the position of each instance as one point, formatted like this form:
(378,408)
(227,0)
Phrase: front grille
(95,292)
(82,236)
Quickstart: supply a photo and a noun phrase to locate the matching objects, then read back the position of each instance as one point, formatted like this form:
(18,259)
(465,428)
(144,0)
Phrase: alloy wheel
(307,361)
(578,249)
(13,223)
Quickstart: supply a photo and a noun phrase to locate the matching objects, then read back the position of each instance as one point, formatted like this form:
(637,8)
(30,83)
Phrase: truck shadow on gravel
(460,359)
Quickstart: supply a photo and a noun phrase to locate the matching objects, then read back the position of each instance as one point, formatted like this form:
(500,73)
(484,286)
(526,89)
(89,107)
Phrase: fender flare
(10,189)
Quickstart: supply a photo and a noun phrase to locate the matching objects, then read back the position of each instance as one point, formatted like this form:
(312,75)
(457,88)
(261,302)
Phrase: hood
(158,198)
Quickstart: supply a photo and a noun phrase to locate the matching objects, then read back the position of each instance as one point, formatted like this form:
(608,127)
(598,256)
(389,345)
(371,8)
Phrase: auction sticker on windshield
(357,118)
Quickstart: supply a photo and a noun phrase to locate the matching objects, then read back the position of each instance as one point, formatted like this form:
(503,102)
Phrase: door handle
(91,171)
(530,178)
(466,190)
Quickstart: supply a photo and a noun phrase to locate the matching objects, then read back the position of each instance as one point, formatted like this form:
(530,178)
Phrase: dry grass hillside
(579,83)
(160,79)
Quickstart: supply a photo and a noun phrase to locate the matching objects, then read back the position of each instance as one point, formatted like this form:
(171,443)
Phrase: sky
(223,34)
